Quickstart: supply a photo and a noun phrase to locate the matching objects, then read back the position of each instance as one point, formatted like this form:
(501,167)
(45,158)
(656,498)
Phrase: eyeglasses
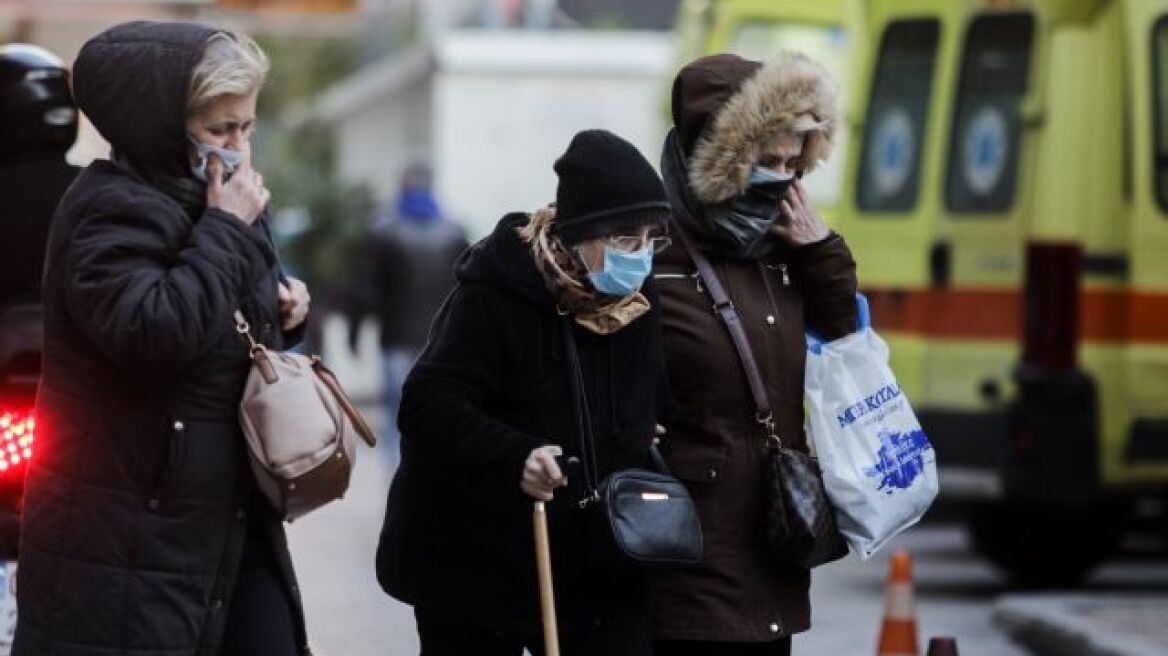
(633,243)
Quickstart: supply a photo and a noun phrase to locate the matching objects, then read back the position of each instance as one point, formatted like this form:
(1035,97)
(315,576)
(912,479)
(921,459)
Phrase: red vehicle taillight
(17,433)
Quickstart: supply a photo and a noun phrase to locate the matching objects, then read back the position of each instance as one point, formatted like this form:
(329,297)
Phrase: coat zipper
(173,454)
(772,435)
(682,276)
(767,284)
(782,268)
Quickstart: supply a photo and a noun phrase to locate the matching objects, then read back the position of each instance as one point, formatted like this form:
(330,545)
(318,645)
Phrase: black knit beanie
(606,186)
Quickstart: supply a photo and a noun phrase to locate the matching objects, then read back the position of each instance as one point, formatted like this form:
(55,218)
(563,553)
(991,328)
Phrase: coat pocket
(702,468)
(170,460)
(697,463)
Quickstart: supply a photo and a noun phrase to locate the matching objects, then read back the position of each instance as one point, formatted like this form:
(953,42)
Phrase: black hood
(675,174)
(132,80)
(504,262)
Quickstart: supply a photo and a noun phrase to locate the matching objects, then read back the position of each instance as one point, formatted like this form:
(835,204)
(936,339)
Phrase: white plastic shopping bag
(879,470)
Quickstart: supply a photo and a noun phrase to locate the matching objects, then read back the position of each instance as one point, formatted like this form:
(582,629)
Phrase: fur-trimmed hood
(736,107)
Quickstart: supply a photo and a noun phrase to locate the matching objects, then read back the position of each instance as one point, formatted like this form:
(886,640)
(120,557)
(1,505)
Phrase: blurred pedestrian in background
(143,528)
(40,126)
(743,134)
(408,272)
(489,406)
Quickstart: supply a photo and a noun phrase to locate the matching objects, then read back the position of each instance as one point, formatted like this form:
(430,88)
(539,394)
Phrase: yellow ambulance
(1004,185)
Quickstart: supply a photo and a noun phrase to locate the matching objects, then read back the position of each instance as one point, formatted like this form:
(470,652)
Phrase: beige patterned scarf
(566,280)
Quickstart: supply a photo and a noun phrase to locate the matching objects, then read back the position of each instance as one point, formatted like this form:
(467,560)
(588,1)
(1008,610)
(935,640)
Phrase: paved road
(349,616)
(955,592)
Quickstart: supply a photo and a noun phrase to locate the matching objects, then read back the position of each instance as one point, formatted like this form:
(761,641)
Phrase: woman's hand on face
(244,195)
(294,300)
(803,226)
(541,474)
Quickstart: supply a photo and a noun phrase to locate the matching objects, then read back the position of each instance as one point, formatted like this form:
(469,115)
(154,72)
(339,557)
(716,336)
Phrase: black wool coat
(139,503)
(491,385)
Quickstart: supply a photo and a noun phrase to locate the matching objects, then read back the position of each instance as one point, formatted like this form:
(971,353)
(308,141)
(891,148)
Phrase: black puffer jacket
(139,504)
(491,385)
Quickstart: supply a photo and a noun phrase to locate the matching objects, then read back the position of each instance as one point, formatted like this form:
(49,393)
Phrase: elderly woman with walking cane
(553,320)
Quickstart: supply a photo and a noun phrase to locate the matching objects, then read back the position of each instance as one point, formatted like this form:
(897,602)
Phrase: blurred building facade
(471,86)
(63,26)
(490,96)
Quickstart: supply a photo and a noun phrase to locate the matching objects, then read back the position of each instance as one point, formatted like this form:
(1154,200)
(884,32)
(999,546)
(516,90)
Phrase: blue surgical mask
(230,159)
(623,273)
(760,175)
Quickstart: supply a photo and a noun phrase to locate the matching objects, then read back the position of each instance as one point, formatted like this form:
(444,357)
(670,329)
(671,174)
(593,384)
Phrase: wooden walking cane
(543,562)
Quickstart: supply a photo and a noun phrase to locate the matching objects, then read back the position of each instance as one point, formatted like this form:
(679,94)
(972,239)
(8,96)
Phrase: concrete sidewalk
(1117,624)
(333,549)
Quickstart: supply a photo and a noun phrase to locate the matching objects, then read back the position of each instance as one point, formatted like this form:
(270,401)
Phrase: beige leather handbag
(300,427)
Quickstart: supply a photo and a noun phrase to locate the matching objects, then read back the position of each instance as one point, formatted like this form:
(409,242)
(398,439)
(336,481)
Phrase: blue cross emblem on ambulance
(985,149)
(893,151)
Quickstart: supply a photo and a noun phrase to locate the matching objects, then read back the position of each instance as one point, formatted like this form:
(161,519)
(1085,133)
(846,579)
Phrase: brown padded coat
(739,593)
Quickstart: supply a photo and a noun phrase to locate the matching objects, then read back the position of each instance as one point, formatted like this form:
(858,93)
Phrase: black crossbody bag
(640,518)
(798,522)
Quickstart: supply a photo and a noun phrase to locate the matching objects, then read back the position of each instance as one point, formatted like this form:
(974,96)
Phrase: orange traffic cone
(898,634)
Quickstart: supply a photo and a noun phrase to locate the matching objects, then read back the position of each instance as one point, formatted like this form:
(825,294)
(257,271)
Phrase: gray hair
(232,64)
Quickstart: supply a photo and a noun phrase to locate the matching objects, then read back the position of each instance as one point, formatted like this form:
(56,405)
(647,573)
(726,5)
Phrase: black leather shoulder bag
(641,518)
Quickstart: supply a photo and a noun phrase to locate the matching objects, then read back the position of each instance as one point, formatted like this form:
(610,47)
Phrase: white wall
(506,104)
(492,110)
(377,142)
(498,138)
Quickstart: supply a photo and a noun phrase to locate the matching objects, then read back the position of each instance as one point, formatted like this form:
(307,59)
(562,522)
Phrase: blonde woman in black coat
(143,531)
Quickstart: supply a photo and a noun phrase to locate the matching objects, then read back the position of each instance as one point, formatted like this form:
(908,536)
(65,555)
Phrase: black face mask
(742,225)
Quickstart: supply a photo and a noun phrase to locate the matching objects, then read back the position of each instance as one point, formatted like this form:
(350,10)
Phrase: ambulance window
(826,44)
(984,144)
(898,110)
(1160,70)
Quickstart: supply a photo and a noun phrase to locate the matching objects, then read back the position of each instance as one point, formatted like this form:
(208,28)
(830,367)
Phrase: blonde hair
(536,233)
(233,64)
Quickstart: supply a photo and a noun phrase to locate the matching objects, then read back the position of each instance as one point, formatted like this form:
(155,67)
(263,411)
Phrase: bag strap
(583,414)
(255,350)
(364,430)
(584,420)
(729,315)
(244,329)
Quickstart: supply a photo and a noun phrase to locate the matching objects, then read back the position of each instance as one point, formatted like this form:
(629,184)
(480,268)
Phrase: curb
(1057,625)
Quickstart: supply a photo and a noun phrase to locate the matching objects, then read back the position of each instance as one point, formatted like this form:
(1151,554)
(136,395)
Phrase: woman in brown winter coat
(743,130)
